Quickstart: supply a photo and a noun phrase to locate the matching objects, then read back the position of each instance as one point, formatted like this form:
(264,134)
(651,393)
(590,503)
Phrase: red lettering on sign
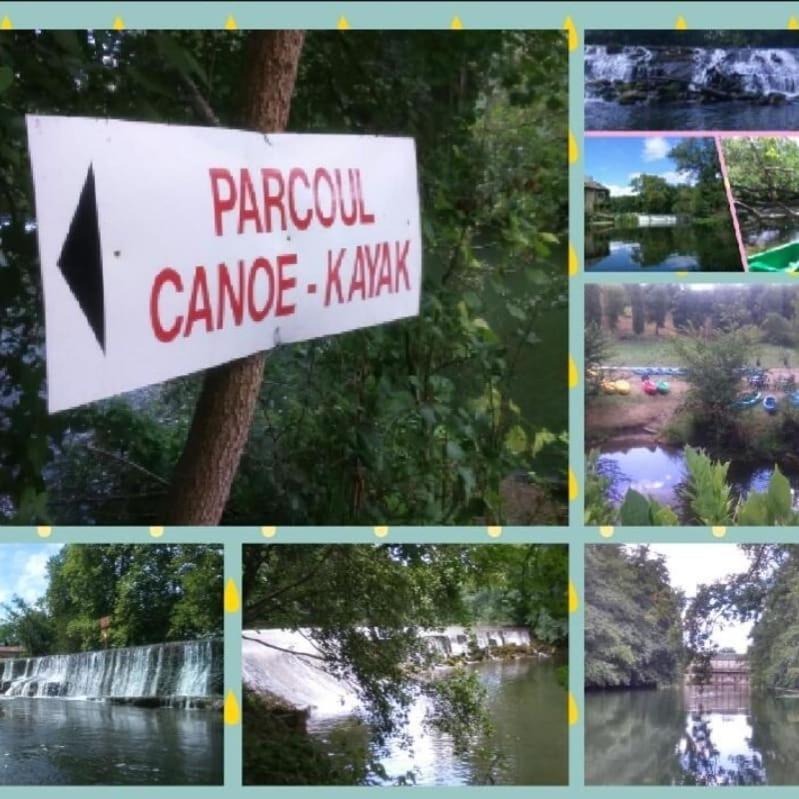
(165,334)
(199,303)
(222,204)
(299,222)
(273,199)
(352,216)
(248,209)
(322,175)
(259,314)
(284,284)
(227,295)
(364,217)
(333,278)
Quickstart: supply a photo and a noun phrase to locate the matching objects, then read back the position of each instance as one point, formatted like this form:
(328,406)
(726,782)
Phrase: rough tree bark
(223,415)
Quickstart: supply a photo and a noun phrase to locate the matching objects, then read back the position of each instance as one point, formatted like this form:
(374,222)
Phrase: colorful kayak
(770,403)
(663,387)
(608,386)
(784,258)
(794,399)
(622,387)
(649,387)
(747,400)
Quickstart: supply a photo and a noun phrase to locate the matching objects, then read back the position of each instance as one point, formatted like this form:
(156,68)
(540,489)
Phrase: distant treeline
(694,38)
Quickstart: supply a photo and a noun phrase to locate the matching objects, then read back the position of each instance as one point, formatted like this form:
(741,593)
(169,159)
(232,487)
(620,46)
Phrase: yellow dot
(156,532)
(232,603)
(6,24)
(574,150)
(381,532)
(573,265)
(793,23)
(719,532)
(118,24)
(574,713)
(269,532)
(574,489)
(681,274)
(606,532)
(681,24)
(574,602)
(342,24)
(230,23)
(494,532)
(232,712)
(569,26)
(456,24)
(44,531)
(574,377)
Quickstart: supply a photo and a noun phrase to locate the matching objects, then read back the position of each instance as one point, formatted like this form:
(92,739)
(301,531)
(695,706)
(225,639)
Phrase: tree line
(641,631)
(145,594)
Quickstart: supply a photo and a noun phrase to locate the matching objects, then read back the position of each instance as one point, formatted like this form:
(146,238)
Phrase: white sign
(166,249)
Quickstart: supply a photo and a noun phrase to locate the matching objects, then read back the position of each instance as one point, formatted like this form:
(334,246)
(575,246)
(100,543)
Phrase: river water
(527,706)
(81,742)
(658,471)
(705,248)
(674,736)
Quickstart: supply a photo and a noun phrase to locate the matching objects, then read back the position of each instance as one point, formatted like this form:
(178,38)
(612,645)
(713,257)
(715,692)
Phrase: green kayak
(784,258)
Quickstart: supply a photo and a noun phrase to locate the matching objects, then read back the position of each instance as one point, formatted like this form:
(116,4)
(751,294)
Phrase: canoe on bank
(770,403)
(784,258)
(747,400)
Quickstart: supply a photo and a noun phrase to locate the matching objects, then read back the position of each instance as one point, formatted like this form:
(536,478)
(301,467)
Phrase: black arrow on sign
(81,262)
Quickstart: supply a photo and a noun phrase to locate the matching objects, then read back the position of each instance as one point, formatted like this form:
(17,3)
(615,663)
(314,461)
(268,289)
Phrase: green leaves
(637,510)
(774,507)
(710,496)
(6,78)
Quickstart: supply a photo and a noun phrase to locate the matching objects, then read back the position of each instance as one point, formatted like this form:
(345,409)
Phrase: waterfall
(285,664)
(752,70)
(185,669)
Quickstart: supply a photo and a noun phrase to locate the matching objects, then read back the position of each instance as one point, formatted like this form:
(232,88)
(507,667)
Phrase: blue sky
(614,162)
(23,570)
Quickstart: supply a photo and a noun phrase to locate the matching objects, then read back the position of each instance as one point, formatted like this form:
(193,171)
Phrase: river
(82,742)
(527,706)
(704,248)
(658,471)
(673,736)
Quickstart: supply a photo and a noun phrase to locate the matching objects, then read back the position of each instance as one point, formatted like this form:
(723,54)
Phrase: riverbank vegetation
(364,609)
(721,350)
(764,178)
(430,420)
(113,595)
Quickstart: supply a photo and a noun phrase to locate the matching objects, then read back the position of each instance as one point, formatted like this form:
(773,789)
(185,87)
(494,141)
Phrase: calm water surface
(675,736)
(77,742)
(658,471)
(527,706)
(663,249)
(602,115)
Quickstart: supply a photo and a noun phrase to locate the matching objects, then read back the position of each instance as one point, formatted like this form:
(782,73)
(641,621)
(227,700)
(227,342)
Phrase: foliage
(714,364)
(709,499)
(598,349)
(633,628)
(615,305)
(150,594)
(593,304)
(418,421)
(366,606)
(636,295)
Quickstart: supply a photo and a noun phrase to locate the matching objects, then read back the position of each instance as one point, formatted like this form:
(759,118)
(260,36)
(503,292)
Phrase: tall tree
(223,415)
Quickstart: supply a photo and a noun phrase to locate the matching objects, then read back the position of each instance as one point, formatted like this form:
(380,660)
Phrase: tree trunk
(223,415)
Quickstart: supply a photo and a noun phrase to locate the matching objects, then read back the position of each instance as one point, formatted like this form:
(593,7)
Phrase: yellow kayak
(622,387)
(608,386)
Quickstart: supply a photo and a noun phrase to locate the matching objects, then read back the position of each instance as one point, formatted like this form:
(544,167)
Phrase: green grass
(653,351)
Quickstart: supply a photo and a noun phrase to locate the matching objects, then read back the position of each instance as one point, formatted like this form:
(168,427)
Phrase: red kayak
(649,387)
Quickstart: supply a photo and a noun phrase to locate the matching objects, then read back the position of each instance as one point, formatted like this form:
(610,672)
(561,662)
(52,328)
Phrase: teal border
(422,15)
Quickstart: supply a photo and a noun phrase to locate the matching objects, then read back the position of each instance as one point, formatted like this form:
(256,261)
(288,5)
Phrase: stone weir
(188,674)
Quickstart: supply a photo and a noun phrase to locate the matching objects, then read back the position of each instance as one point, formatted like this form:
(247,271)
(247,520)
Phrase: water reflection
(664,249)
(680,736)
(709,248)
(529,745)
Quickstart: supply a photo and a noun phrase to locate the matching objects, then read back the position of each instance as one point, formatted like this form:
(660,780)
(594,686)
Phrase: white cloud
(655,149)
(677,178)
(32,581)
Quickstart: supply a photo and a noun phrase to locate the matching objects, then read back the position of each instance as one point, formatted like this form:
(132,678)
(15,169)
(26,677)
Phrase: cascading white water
(618,65)
(286,664)
(760,70)
(185,669)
